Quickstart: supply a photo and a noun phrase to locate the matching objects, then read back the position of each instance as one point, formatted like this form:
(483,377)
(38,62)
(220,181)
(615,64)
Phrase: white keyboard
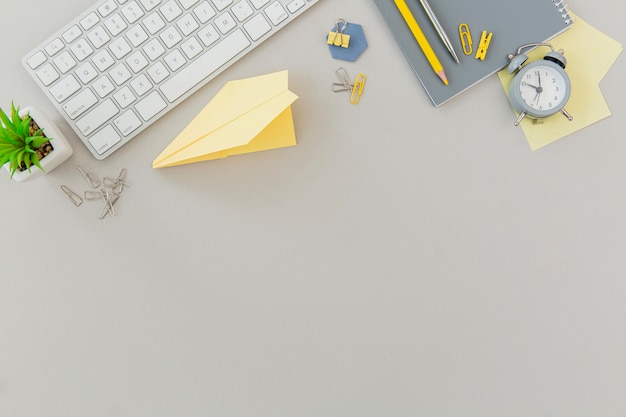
(122,64)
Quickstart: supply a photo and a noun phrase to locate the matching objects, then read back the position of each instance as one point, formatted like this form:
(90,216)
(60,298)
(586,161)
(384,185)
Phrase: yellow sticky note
(248,115)
(590,54)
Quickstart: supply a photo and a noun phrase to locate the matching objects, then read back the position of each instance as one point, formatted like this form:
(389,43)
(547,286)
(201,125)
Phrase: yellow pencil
(421,40)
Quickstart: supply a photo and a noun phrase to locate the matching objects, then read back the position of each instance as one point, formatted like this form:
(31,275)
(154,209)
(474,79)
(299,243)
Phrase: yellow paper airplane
(248,115)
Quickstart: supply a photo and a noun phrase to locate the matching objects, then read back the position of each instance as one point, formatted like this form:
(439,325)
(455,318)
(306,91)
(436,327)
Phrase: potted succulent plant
(28,139)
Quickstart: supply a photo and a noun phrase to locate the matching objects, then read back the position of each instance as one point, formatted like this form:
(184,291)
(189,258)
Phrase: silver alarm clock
(540,88)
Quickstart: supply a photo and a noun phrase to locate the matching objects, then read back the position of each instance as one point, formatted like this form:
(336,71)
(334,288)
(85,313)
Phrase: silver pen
(439,29)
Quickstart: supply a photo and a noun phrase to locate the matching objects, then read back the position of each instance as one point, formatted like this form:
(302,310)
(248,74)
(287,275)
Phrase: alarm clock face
(541,89)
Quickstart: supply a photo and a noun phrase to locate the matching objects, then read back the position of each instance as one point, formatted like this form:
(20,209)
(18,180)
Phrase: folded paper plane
(248,115)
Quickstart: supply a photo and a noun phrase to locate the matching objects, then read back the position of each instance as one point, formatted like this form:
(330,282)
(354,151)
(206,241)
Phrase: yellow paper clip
(338,38)
(483,45)
(357,89)
(466,38)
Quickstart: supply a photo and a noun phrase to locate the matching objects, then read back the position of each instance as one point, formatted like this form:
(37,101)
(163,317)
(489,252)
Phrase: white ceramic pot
(61,148)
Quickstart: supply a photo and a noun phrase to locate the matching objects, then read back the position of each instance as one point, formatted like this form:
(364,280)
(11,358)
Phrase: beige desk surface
(401,260)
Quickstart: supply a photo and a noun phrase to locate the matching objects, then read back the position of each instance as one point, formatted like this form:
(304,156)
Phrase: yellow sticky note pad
(590,54)
(248,115)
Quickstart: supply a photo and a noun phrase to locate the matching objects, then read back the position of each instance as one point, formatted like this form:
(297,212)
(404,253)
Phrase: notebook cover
(513,23)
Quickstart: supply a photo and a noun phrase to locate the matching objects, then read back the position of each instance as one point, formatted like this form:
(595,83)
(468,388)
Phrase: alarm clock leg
(566,114)
(519,119)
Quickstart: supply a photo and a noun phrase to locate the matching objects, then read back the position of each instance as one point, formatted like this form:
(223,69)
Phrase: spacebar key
(205,65)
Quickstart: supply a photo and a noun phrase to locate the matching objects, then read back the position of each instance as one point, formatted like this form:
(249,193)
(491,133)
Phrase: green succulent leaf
(15,114)
(35,161)
(38,141)
(20,156)
(5,120)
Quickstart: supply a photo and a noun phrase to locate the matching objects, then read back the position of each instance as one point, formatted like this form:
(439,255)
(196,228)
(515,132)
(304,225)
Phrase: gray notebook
(513,23)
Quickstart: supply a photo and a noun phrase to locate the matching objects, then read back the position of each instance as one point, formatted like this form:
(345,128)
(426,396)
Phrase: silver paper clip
(344,85)
(93,183)
(109,198)
(92,195)
(74,198)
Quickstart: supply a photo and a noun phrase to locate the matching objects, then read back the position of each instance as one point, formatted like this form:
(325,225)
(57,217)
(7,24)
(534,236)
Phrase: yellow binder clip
(338,38)
(483,45)
(466,38)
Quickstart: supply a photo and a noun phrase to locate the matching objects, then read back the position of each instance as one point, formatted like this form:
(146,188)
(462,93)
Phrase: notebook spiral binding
(562,8)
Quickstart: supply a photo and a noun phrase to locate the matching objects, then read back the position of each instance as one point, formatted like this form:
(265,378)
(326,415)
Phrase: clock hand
(539,78)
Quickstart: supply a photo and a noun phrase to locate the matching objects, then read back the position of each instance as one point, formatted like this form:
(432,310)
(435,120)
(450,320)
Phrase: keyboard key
(170,10)
(120,48)
(276,13)
(259,3)
(141,85)
(206,64)
(120,74)
(191,48)
(104,139)
(86,72)
(132,11)
(257,27)
(187,3)
(54,47)
(187,24)
(170,36)
(136,61)
(124,97)
(225,23)
(137,36)
(36,60)
(72,34)
(175,60)
(242,10)
(107,8)
(98,37)
(204,12)
(153,49)
(97,117)
(115,24)
(150,4)
(150,106)
(47,74)
(222,4)
(208,35)
(103,86)
(64,62)
(82,50)
(65,88)
(295,5)
(80,103)
(89,21)
(127,123)
(154,23)
(103,60)
(158,72)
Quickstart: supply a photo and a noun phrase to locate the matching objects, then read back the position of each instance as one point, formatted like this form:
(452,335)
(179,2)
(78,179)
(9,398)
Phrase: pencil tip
(443,77)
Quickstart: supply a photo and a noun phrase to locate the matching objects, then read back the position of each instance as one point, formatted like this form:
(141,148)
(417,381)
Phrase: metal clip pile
(108,190)
(355,89)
